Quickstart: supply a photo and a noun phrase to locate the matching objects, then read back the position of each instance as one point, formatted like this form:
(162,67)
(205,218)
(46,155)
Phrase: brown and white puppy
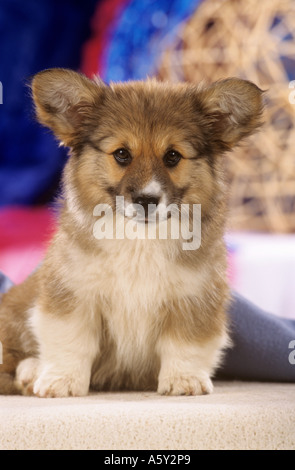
(129,313)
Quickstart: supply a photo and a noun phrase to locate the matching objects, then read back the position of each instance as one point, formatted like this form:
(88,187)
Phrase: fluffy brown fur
(128,314)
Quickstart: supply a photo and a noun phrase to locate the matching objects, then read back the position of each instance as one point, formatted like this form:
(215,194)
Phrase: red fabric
(103,22)
(24,236)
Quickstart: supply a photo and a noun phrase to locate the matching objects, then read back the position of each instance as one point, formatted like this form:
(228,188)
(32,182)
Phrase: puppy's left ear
(234,108)
(64,100)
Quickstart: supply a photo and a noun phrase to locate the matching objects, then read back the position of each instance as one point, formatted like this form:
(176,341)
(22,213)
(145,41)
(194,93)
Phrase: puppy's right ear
(64,100)
(235,108)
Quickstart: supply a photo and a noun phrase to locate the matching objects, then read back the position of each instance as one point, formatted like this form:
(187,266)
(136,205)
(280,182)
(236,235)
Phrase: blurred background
(175,40)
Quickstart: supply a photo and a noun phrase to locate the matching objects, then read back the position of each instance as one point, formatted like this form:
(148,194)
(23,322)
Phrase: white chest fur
(130,280)
(133,274)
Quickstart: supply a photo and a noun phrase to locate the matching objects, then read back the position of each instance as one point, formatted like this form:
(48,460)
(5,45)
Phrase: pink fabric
(24,235)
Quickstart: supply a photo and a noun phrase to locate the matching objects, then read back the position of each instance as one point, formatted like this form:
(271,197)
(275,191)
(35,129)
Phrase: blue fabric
(34,35)
(144,30)
(261,343)
(5,283)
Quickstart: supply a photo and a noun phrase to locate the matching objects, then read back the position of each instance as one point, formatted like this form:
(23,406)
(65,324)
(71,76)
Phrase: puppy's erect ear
(64,100)
(234,107)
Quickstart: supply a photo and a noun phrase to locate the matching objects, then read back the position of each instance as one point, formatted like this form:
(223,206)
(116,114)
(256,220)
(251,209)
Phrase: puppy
(129,312)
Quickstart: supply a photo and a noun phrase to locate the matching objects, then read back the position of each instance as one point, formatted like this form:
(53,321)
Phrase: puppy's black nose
(145,201)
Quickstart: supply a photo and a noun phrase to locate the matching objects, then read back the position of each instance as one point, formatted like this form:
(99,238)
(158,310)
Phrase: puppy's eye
(171,158)
(122,156)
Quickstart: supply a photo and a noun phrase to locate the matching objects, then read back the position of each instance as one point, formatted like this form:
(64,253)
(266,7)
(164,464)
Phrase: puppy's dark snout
(145,201)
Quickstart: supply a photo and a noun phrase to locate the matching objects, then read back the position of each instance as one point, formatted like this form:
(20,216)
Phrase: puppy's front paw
(49,385)
(26,374)
(185,385)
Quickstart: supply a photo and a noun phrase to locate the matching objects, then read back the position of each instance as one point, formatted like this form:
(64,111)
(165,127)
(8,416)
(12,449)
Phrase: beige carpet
(238,415)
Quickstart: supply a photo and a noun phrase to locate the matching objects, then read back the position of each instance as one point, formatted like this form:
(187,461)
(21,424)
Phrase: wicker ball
(255,41)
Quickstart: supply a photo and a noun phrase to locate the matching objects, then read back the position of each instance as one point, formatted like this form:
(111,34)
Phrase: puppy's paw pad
(48,386)
(185,385)
(26,374)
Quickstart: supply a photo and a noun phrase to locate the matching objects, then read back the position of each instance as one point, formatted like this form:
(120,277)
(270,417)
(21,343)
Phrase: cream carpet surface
(238,415)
